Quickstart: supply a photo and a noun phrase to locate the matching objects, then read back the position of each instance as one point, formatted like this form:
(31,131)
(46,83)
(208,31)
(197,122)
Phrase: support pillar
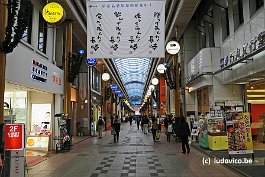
(177,97)
(67,85)
(3,24)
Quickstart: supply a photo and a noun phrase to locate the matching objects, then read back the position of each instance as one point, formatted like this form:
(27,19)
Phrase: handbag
(157,136)
(189,140)
(112,131)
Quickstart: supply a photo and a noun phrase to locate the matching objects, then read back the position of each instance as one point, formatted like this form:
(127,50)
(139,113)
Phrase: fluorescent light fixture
(256,96)
(255,90)
(242,83)
(256,79)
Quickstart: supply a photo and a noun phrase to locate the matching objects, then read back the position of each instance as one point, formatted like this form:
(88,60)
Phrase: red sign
(14,136)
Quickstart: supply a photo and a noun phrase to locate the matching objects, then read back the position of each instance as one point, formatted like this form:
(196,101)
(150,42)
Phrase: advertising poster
(239,134)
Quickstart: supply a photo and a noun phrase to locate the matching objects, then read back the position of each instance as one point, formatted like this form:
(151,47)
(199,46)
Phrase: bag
(157,136)
(113,131)
(169,129)
(189,140)
(100,122)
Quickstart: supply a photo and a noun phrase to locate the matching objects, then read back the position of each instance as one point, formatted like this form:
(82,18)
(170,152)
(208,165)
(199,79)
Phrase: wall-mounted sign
(56,79)
(172,47)
(118,91)
(91,61)
(53,12)
(14,136)
(248,48)
(114,87)
(82,85)
(39,71)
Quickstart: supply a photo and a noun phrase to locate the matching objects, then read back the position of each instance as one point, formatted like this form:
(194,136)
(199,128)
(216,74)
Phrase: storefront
(34,96)
(255,94)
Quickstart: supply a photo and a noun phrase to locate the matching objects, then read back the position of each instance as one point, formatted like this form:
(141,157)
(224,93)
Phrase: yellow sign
(53,12)
(239,134)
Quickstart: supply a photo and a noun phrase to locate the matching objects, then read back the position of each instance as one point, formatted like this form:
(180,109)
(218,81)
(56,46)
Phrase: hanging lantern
(151,87)
(105,76)
(161,68)
(155,81)
(173,47)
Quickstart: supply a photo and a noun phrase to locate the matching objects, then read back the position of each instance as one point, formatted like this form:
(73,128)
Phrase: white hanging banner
(125,29)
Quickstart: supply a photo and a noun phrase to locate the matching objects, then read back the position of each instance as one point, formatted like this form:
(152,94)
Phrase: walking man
(184,132)
(117,127)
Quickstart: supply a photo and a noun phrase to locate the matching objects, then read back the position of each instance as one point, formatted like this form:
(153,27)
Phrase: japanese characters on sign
(239,134)
(126,29)
(14,136)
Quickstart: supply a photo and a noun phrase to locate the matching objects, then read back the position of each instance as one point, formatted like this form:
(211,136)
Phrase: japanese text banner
(125,29)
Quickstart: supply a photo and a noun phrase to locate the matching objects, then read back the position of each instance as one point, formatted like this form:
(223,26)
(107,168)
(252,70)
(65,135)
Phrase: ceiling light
(256,79)
(242,83)
(155,81)
(252,87)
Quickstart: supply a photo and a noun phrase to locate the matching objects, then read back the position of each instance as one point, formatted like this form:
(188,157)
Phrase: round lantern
(161,68)
(155,81)
(105,76)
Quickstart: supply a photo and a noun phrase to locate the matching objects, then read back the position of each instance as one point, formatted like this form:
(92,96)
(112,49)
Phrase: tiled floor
(134,155)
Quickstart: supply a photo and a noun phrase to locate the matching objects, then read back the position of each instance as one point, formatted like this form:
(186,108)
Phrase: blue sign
(120,95)
(118,91)
(91,61)
(114,87)
(81,52)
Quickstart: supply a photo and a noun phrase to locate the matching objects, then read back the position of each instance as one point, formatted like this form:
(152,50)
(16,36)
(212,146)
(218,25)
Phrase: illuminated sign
(91,61)
(53,12)
(14,136)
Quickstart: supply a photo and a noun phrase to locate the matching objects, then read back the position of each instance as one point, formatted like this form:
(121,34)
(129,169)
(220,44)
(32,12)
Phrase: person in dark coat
(130,119)
(117,127)
(184,132)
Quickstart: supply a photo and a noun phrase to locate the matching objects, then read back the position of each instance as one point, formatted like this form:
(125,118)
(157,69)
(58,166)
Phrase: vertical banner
(82,85)
(125,29)
(239,134)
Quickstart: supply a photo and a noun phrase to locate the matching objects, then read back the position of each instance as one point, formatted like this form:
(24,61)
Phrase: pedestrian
(184,132)
(154,128)
(145,124)
(169,131)
(116,127)
(142,123)
(100,126)
(130,119)
(138,120)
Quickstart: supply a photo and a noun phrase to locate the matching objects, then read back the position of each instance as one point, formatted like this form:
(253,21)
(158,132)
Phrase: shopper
(154,128)
(130,119)
(145,124)
(184,132)
(138,120)
(116,127)
(100,126)
(169,131)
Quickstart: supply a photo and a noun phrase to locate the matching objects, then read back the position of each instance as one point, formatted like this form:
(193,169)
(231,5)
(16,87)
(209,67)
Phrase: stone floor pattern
(134,155)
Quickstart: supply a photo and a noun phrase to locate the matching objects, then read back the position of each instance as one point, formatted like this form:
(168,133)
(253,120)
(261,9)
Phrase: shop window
(27,33)
(238,13)
(225,22)
(254,5)
(42,36)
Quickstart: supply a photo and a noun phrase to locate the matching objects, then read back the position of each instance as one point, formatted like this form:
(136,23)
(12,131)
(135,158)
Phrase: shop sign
(56,79)
(114,87)
(82,85)
(239,134)
(172,47)
(53,12)
(39,71)
(91,61)
(255,43)
(14,136)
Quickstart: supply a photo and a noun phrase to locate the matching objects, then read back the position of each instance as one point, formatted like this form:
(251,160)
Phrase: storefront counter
(218,141)
(37,142)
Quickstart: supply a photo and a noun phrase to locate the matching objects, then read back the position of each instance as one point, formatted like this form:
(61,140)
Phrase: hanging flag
(125,29)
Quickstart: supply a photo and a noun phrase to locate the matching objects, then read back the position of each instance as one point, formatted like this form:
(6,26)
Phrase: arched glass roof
(133,72)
